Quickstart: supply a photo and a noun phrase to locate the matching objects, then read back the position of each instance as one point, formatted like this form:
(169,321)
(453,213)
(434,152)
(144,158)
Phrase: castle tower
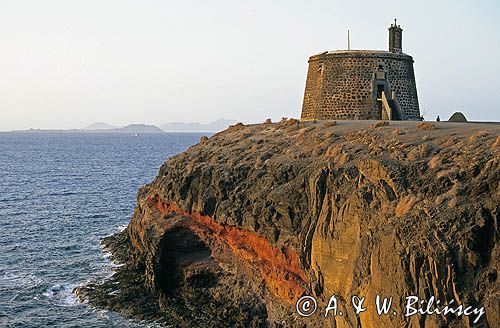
(362,84)
(395,38)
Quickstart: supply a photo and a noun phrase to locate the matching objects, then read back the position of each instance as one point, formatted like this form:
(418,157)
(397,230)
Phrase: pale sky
(69,63)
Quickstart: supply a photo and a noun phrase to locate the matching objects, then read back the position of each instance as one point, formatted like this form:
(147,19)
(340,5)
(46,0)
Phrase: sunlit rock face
(243,224)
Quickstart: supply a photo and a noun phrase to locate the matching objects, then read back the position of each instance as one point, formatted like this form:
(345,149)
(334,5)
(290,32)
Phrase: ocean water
(60,193)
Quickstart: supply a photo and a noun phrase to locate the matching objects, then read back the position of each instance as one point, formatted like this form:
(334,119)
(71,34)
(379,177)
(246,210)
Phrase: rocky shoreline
(233,231)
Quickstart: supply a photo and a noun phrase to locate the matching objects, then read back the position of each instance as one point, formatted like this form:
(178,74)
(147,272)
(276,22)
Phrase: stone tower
(362,84)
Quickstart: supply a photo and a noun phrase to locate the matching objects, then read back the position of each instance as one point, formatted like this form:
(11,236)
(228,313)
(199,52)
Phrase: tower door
(380,89)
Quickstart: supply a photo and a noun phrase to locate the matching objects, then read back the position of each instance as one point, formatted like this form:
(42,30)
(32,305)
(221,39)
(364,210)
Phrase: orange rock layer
(279,267)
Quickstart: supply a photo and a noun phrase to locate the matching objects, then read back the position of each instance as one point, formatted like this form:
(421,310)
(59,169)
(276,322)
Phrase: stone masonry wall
(339,85)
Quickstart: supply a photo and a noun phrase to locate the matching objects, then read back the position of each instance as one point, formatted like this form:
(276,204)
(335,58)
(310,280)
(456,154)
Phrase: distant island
(131,128)
(100,126)
(215,126)
(218,125)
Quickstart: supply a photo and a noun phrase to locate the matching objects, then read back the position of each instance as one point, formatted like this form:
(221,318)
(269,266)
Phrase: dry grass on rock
(426,126)
(379,124)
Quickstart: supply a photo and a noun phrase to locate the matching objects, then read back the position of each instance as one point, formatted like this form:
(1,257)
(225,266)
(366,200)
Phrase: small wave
(61,295)
(119,228)
(98,216)
(106,254)
(64,193)
(20,280)
(109,263)
(12,200)
(122,227)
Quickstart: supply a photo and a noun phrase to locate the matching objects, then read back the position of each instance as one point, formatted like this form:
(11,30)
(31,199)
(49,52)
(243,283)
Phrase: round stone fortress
(362,84)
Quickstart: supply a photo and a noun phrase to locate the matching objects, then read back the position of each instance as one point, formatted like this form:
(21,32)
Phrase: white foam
(119,228)
(61,295)
(106,254)
(122,227)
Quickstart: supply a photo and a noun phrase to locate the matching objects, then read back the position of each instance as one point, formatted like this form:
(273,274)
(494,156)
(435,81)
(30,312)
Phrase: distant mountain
(131,128)
(215,126)
(138,128)
(100,126)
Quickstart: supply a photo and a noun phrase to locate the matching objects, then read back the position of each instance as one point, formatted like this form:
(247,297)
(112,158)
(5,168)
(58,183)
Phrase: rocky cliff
(235,230)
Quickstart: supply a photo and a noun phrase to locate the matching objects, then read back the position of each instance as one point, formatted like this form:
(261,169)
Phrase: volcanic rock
(232,232)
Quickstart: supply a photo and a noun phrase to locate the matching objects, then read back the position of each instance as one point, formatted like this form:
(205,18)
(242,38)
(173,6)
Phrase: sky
(69,63)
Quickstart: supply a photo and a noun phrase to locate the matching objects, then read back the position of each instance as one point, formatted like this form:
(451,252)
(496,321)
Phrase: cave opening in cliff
(183,258)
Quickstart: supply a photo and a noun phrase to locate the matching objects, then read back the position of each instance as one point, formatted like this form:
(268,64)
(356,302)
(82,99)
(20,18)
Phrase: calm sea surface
(60,193)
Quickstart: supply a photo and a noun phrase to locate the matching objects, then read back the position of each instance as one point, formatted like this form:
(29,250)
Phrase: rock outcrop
(235,230)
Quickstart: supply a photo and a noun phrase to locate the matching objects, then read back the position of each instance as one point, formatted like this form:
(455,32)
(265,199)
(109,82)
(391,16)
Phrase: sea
(60,194)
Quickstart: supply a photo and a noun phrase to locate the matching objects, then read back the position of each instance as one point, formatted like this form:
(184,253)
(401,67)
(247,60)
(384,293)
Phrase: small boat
(135,135)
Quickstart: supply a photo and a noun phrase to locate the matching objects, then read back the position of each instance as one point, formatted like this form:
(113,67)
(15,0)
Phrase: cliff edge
(236,229)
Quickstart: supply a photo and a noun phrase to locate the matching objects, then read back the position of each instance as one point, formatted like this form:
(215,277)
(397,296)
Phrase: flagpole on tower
(348,40)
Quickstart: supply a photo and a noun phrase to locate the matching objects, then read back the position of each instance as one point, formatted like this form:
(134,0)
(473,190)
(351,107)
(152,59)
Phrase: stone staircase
(390,108)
